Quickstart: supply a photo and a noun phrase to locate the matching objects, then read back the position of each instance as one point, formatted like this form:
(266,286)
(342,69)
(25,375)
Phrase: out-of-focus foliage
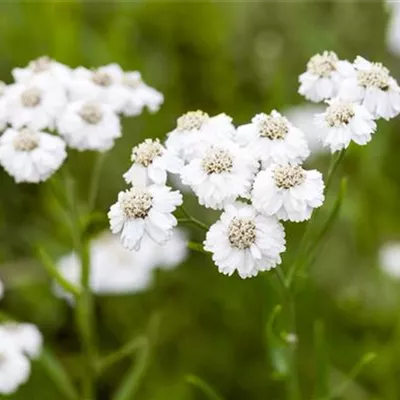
(238,58)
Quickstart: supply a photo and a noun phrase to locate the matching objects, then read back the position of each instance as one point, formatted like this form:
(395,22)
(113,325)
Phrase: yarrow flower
(272,138)
(324,75)
(151,161)
(196,130)
(29,155)
(389,259)
(288,191)
(142,211)
(343,122)
(371,85)
(220,175)
(89,125)
(245,241)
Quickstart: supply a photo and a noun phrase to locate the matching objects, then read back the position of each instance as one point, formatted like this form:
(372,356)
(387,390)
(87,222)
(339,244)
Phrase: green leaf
(58,375)
(203,386)
(54,272)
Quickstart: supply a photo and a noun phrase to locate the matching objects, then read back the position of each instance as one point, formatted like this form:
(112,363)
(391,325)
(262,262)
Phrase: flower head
(142,211)
(29,155)
(245,241)
(288,191)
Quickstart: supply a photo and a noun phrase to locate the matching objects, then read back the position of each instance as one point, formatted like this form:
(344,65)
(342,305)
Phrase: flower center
(217,161)
(146,152)
(339,114)
(273,127)
(91,113)
(377,76)
(26,140)
(323,64)
(31,97)
(136,202)
(40,64)
(192,120)
(101,78)
(289,176)
(242,233)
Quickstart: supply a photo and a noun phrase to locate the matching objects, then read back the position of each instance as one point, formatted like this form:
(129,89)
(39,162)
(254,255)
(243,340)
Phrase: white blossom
(143,212)
(221,174)
(288,191)
(245,241)
(389,259)
(272,138)
(343,122)
(89,125)
(29,155)
(151,162)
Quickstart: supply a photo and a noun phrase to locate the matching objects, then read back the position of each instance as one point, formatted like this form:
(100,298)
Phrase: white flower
(393,29)
(343,122)
(288,191)
(302,116)
(139,95)
(103,85)
(131,270)
(144,211)
(389,259)
(25,337)
(371,85)
(324,75)
(47,69)
(89,126)
(35,104)
(195,131)
(245,241)
(3,106)
(1,290)
(29,155)
(272,138)
(151,161)
(15,368)
(222,174)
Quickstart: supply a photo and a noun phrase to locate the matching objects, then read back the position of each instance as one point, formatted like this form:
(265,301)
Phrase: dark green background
(240,58)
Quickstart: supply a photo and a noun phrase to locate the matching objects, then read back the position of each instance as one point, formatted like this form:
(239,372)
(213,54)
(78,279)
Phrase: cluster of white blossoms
(253,173)
(115,270)
(19,344)
(50,106)
(357,94)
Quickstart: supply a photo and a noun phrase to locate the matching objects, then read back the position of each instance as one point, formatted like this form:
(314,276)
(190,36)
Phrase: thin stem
(191,220)
(332,169)
(95,180)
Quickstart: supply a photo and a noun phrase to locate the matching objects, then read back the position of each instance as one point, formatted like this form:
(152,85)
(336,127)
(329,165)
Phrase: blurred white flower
(35,104)
(25,337)
(89,125)
(1,290)
(221,174)
(103,85)
(3,106)
(324,75)
(288,191)
(143,212)
(272,138)
(371,85)
(302,116)
(151,161)
(245,241)
(343,122)
(15,367)
(45,68)
(117,270)
(139,95)
(29,155)
(389,259)
(393,28)
(195,131)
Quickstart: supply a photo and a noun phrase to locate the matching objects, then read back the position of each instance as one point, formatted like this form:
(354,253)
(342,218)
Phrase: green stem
(191,220)
(95,181)
(207,390)
(332,169)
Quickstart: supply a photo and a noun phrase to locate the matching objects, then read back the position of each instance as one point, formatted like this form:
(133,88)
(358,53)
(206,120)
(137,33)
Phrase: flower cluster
(19,343)
(252,172)
(50,106)
(357,94)
(114,269)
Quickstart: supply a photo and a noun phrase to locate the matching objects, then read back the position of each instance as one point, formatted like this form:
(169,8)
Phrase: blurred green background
(240,58)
